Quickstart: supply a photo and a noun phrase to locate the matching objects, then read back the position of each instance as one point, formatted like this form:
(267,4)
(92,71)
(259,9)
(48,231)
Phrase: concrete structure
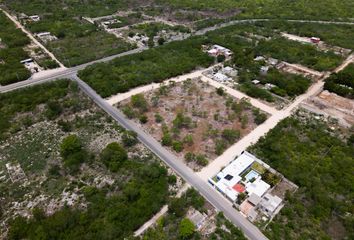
(238,177)
(229,71)
(256,82)
(264,70)
(34,18)
(269,204)
(220,77)
(217,50)
(196,217)
(258,187)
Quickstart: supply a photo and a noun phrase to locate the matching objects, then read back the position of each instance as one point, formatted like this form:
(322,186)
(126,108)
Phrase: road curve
(219,202)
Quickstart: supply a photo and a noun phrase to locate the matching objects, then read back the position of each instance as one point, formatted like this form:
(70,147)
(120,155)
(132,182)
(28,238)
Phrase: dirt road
(19,25)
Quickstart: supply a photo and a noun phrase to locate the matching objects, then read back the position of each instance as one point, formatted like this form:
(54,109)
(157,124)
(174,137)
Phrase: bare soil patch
(192,119)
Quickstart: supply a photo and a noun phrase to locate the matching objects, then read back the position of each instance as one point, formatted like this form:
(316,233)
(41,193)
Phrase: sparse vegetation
(195,135)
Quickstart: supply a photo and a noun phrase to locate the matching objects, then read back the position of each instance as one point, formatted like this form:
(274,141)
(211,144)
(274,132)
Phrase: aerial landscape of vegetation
(176,119)
(76,156)
(317,159)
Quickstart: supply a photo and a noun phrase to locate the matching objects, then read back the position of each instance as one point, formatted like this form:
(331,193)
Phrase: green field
(320,162)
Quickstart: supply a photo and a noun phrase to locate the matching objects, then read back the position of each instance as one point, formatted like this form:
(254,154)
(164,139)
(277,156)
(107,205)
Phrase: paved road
(65,73)
(69,71)
(177,165)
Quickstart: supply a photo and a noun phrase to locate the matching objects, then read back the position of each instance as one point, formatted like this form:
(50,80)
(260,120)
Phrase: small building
(217,50)
(254,199)
(259,58)
(229,71)
(258,187)
(315,39)
(256,82)
(269,86)
(196,217)
(264,70)
(35,18)
(269,204)
(221,77)
(46,37)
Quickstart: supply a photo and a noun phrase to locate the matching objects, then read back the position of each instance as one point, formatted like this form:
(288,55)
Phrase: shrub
(113,156)
(177,146)
(230,135)
(130,138)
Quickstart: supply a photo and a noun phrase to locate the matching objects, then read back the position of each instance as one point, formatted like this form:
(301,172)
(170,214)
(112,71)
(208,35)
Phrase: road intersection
(198,181)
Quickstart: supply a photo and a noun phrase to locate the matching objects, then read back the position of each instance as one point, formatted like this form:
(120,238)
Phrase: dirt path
(18,25)
(237,94)
(161,213)
(256,134)
(349,60)
(122,96)
(263,129)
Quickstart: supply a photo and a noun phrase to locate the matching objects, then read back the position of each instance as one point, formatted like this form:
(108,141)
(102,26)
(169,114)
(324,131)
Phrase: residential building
(269,204)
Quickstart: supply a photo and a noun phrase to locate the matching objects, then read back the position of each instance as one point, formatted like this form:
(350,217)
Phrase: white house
(35,18)
(229,71)
(269,204)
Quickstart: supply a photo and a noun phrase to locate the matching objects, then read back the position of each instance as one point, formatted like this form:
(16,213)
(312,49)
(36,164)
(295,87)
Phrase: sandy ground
(261,130)
(122,96)
(237,94)
(256,134)
(296,38)
(18,24)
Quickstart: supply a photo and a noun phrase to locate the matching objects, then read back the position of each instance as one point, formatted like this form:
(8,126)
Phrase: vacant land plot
(193,118)
(320,162)
(64,162)
(191,210)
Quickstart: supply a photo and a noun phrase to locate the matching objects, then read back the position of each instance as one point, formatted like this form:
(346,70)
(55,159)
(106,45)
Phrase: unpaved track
(19,25)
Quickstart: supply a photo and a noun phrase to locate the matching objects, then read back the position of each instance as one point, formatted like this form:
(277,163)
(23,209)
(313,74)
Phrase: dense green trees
(12,41)
(295,52)
(186,228)
(311,155)
(113,156)
(73,153)
(108,216)
(342,83)
(154,65)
